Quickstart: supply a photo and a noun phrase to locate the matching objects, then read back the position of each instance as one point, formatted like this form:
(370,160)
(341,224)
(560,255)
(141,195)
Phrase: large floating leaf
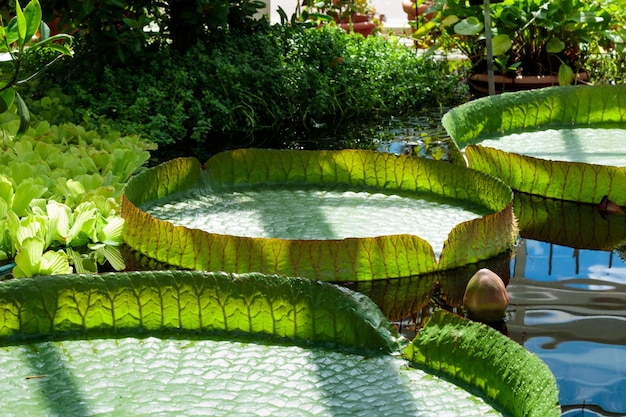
(397,255)
(137,303)
(564,108)
(172,342)
(482,357)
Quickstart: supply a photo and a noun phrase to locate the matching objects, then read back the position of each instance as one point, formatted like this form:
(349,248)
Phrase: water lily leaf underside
(82,344)
(346,259)
(556,108)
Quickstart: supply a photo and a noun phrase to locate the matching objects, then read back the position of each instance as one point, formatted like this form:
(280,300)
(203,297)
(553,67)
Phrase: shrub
(215,94)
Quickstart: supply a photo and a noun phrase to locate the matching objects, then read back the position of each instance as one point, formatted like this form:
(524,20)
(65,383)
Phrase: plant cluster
(25,36)
(120,30)
(532,37)
(60,189)
(247,84)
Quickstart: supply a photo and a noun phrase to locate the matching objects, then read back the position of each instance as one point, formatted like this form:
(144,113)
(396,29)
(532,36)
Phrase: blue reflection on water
(549,262)
(587,373)
(569,305)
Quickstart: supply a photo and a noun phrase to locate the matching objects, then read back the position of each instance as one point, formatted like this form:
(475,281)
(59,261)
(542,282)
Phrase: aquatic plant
(176,329)
(579,155)
(489,230)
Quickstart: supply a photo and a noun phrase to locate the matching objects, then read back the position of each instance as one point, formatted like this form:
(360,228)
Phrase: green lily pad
(172,343)
(331,215)
(557,142)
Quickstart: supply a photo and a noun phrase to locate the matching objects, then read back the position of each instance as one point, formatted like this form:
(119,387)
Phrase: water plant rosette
(560,142)
(331,215)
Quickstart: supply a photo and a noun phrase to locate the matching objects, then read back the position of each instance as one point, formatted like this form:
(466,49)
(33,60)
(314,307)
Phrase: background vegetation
(218,94)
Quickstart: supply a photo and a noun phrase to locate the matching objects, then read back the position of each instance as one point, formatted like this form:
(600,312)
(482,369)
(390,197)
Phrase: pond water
(567,285)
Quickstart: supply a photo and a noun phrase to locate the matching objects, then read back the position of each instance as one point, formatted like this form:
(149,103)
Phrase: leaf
(32,17)
(28,258)
(7,97)
(189,308)
(566,74)
(571,106)
(501,44)
(214,303)
(480,356)
(24,193)
(21,25)
(555,45)
(24,114)
(332,259)
(470,26)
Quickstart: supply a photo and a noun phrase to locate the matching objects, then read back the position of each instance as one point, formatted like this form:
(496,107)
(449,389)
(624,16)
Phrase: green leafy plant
(329,258)
(25,35)
(530,37)
(285,78)
(60,188)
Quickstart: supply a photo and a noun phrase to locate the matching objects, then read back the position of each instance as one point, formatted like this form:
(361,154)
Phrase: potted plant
(352,15)
(534,42)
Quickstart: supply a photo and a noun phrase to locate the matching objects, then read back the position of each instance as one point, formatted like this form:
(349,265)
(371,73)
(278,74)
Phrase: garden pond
(566,280)
(566,276)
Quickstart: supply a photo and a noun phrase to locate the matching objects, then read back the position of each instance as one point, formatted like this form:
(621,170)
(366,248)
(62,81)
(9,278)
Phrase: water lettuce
(61,186)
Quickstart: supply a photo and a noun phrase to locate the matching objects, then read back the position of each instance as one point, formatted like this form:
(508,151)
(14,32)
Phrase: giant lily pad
(266,211)
(559,142)
(182,343)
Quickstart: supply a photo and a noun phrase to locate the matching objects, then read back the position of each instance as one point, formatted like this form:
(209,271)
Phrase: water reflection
(568,305)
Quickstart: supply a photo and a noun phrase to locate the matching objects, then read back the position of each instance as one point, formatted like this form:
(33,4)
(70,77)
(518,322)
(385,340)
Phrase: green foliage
(483,358)
(120,30)
(60,188)
(247,84)
(536,37)
(322,328)
(556,107)
(294,310)
(23,36)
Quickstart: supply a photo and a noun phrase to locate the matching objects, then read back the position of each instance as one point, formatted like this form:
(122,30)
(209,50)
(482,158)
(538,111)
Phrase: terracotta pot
(361,23)
(480,84)
(409,8)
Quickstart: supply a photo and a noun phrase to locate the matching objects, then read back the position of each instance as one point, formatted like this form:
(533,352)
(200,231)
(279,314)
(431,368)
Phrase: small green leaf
(566,74)
(32,17)
(28,258)
(449,20)
(24,114)
(7,97)
(25,192)
(21,25)
(555,45)
(469,26)
(501,44)
(12,31)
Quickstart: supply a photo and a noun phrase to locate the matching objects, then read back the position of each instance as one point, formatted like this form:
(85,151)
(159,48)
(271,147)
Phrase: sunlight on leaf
(341,258)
